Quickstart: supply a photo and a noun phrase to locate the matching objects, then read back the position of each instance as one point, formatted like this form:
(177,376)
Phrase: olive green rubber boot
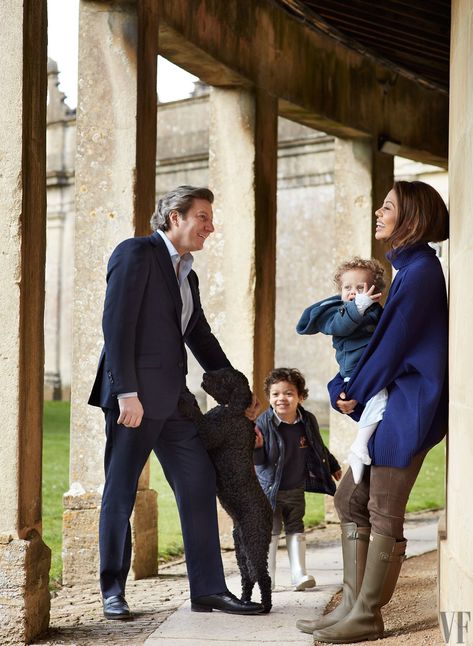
(354,549)
(364,622)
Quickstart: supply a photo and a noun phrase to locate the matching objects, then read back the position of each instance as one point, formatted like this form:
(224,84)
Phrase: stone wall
(456,532)
(306,231)
(305,206)
(60,151)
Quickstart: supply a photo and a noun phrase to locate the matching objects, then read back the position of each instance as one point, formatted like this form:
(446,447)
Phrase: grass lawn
(428,492)
(55,478)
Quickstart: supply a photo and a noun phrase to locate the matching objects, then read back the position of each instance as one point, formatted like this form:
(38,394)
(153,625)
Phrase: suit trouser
(191,475)
(380,499)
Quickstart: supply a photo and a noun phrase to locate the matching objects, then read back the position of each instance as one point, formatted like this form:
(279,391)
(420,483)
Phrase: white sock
(360,445)
(357,466)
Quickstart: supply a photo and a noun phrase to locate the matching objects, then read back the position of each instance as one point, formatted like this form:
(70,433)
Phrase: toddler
(350,318)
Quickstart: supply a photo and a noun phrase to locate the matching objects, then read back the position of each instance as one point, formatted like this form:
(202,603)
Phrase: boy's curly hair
(292,375)
(371,265)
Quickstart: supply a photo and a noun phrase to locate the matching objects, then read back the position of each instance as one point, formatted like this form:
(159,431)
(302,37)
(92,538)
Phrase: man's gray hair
(180,199)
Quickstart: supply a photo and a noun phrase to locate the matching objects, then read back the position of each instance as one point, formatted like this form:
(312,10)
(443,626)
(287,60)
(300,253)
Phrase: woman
(407,355)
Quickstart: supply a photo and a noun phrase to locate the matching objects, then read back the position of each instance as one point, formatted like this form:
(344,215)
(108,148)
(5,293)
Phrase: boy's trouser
(290,510)
(380,498)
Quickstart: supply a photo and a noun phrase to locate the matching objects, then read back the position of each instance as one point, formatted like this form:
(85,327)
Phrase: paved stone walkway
(162,610)
(186,628)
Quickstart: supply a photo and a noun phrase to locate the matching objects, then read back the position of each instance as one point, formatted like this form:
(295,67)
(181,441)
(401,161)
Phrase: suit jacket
(144,349)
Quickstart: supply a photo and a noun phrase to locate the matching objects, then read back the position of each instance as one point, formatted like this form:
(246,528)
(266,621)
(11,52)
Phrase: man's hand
(345,405)
(252,411)
(337,475)
(259,441)
(131,412)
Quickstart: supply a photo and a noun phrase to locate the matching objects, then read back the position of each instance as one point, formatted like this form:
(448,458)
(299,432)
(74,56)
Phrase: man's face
(189,233)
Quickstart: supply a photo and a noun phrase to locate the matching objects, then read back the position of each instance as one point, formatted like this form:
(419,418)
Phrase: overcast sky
(63,17)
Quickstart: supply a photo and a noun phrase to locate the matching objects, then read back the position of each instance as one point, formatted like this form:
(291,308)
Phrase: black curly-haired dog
(229,438)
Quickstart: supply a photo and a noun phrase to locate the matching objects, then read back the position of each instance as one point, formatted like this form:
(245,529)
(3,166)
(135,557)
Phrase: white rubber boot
(296,547)
(273,550)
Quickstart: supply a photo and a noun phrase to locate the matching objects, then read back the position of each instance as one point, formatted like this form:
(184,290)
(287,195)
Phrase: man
(152,308)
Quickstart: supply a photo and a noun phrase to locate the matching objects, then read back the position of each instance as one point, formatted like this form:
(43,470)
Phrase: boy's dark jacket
(269,459)
(350,330)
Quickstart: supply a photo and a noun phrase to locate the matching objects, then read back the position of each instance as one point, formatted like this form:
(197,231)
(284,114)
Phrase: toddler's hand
(370,292)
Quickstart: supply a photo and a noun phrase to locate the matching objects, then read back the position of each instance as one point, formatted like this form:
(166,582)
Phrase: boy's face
(284,399)
(353,283)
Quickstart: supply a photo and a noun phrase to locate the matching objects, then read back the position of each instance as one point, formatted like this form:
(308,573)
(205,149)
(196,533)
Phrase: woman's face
(386,217)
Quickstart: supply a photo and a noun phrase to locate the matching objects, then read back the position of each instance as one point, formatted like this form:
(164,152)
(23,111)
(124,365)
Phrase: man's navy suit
(144,352)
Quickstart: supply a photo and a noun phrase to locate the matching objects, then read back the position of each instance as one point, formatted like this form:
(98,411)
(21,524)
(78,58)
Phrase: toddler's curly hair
(292,375)
(373,266)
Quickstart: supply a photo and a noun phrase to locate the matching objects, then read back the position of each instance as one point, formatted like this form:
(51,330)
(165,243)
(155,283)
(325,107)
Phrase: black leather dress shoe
(116,607)
(225,602)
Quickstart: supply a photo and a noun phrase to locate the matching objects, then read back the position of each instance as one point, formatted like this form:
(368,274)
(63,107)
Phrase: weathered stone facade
(317,80)
(306,211)
(24,558)
(60,177)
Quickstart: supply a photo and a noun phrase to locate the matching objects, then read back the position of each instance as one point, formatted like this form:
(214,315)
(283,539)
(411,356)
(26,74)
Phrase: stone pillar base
(144,528)
(80,531)
(24,594)
(80,541)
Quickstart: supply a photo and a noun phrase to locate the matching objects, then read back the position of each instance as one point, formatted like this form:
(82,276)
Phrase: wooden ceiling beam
(318,80)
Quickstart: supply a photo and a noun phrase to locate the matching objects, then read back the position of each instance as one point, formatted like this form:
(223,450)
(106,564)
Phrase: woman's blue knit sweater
(407,355)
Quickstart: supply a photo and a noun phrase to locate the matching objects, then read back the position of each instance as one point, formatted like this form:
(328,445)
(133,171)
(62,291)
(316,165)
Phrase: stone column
(24,558)
(240,285)
(361,177)
(116,107)
(455,583)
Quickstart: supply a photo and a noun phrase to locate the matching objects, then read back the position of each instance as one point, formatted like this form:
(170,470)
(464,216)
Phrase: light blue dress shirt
(185,265)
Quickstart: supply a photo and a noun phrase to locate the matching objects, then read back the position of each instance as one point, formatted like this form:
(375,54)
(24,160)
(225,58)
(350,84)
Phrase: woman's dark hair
(291,375)
(422,215)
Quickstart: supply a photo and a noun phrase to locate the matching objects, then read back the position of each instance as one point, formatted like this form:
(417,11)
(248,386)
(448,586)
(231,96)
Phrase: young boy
(291,458)
(351,318)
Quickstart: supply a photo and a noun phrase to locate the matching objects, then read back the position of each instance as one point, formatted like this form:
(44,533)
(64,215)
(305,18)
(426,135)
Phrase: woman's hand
(337,475)
(346,406)
(259,441)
